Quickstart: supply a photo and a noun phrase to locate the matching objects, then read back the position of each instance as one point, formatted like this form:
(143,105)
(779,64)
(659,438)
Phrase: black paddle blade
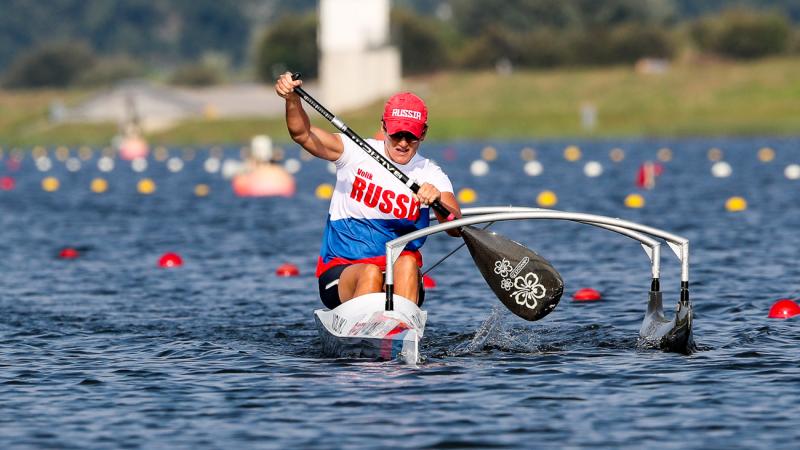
(524,281)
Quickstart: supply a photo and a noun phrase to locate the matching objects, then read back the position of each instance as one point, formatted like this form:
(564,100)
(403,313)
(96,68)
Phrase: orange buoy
(132,148)
(428,282)
(287,270)
(68,253)
(170,259)
(268,180)
(784,309)
(586,295)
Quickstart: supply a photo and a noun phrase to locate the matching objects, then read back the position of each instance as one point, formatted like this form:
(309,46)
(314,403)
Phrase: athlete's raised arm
(317,141)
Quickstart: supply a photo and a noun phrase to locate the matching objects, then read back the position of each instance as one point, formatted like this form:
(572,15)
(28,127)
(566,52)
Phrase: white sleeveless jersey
(370,207)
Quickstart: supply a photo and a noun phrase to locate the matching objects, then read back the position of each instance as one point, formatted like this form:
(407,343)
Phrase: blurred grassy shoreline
(697,99)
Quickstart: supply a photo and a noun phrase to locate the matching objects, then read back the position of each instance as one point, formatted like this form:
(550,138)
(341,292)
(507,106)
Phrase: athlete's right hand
(285,85)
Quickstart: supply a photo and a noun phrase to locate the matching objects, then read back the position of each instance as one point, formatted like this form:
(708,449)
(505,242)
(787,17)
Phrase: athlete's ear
(424,132)
(383,126)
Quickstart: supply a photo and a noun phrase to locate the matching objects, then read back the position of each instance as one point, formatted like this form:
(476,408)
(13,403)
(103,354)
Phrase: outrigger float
(387,326)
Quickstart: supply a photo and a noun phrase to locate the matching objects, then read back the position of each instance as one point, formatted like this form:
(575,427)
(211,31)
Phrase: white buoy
(792,171)
(721,169)
(44,164)
(593,169)
(73,164)
(105,164)
(139,165)
(230,168)
(292,165)
(212,165)
(174,164)
(479,168)
(533,168)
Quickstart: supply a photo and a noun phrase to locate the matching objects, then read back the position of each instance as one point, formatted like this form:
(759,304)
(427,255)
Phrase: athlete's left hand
(428,194)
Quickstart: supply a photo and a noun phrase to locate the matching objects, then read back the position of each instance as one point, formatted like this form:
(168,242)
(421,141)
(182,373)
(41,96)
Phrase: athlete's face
(401,147)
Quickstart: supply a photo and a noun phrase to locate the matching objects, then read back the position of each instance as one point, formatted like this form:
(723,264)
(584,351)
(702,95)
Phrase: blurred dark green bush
(742,34)
(422,42)
(290,44)
(50,65)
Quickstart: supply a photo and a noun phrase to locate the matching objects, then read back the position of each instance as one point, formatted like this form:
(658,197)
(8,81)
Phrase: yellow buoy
(62,153)
(324,191)
(201,190)
(547,199)
(735,204)
(146,186)
(616,154)
(664,154)
(160,153)
(467,195)
(50,184)
(634,201)
(85,153)
(37,152)
(766,154)
(489,153)
(572,153)
(99,185)
(527,154)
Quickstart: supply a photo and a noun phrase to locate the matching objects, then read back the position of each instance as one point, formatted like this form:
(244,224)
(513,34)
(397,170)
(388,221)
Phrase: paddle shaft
(388,165)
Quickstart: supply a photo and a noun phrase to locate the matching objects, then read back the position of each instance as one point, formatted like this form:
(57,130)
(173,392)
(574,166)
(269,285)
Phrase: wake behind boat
(362,328)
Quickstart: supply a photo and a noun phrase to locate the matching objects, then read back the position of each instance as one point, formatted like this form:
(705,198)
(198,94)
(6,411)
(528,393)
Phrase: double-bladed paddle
(524,281)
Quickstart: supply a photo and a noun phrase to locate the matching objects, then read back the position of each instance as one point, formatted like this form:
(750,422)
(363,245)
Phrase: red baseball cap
(405,112)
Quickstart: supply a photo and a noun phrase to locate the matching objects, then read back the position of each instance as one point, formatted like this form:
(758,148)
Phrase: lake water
(110,351)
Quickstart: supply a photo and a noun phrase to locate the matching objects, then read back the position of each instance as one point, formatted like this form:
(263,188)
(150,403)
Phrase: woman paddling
(369,206)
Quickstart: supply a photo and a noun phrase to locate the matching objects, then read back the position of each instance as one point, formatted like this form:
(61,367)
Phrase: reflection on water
(108,350)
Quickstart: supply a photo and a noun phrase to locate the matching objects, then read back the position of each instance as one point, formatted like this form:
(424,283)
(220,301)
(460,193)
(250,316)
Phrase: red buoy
(170,259)
(68,253)
(784,309)
(287,270)
(586,295)
(428,282)
(6,184)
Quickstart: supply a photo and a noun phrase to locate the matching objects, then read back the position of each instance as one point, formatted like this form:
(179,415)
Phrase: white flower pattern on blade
(506,284)
(529,290)
(503,268)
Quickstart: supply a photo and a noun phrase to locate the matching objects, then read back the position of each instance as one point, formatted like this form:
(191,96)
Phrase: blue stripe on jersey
(366,238)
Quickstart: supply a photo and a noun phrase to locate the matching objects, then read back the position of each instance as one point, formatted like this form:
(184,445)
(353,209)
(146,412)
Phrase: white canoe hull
(361,328)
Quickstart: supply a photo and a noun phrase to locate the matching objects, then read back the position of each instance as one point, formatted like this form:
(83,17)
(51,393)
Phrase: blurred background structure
(202,65)
(357,63)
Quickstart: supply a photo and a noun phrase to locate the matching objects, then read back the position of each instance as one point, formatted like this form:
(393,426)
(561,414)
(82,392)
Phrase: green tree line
(90,42)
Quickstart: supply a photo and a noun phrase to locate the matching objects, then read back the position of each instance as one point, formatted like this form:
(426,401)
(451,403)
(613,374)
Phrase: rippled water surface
(110,351)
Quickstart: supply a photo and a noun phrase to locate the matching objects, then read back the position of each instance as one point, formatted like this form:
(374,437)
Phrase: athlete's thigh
(359,273)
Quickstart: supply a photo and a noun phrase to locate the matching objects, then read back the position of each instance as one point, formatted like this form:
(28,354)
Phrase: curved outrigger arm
(656,330)
(652,247)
